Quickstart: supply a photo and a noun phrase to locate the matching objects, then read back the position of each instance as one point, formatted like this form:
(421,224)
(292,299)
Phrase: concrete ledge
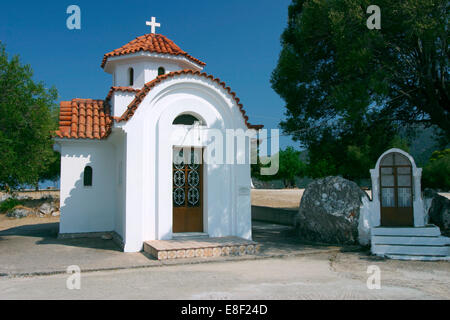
(283,216)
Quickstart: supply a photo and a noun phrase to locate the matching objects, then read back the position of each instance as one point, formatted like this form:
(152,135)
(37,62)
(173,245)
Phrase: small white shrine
(396,220)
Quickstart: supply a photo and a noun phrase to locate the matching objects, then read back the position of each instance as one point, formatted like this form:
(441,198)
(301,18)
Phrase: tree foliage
(349,89)
(289,167)
(27,119)
(436,174)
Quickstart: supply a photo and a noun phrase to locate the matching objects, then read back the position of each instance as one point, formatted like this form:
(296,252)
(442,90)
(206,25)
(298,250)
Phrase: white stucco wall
(83,208)
(119,140)
(145,69)
(120,101)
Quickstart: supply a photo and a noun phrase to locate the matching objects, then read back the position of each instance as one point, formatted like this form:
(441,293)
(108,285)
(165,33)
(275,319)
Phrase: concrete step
(418,258)
(426,231)
(403,240)
(200,248)
(190,235)
(387,249)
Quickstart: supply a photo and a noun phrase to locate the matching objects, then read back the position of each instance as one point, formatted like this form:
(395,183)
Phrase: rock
(107,237)
(23,197)
(20,212)
(439,210)
(329,211)
(45,208)
(4,196)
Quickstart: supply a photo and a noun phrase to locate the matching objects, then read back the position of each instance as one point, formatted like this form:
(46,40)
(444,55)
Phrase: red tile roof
(149,85)
(84,119)
(151,42)
(91,119)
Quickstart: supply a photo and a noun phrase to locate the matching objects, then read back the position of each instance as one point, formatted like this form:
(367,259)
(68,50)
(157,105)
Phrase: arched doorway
(396,191)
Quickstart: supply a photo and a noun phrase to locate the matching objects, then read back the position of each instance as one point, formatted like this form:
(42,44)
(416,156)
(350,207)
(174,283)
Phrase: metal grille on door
(186,178)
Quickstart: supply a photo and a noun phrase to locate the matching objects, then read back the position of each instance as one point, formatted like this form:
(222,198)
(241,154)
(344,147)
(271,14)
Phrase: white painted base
(384,249)
(417,258)
(411,241)
(426,231)
(423,243)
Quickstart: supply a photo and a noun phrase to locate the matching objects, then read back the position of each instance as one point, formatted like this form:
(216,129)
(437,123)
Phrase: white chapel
(133,163)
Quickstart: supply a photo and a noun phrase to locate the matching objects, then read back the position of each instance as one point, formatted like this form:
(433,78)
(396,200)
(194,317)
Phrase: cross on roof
(153,24)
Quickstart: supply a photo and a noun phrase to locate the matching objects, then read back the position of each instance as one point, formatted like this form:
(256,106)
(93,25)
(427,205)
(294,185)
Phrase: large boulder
(439,210)
(329,211)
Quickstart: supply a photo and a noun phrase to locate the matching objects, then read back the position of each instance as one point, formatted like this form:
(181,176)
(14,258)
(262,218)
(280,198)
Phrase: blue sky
(239,41)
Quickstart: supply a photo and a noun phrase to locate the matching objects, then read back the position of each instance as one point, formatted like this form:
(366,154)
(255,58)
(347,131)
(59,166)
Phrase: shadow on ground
(48,232)
(280,239)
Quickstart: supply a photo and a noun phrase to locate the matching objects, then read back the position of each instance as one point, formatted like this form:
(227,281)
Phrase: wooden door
(396,196)
(187,190)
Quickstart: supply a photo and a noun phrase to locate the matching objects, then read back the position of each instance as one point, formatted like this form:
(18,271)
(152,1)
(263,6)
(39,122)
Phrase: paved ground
(317,276)
(303,271)
(35,249)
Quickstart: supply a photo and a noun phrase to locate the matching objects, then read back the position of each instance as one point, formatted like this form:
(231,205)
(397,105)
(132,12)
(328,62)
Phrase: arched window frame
(87,176)
(185,117)
(131,76)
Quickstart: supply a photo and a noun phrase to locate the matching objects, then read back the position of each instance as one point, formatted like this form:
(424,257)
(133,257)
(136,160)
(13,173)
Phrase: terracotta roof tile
(91,119)
(84,119)
(149,85)
(155,43)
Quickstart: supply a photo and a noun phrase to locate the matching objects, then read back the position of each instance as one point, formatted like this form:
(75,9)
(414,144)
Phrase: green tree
(436,174)
(289,167)
(27,119)
(352,153)
(341,81)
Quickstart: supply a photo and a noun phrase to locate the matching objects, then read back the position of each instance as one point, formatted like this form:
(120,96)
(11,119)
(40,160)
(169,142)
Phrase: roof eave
(108,64)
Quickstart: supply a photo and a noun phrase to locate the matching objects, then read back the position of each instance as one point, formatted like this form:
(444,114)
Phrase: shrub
(8,204)
(436,174)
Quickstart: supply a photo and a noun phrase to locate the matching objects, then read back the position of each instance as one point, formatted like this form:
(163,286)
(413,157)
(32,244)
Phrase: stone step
(387,249)
(426,231)
(403,240)
(190,235)
(200,247)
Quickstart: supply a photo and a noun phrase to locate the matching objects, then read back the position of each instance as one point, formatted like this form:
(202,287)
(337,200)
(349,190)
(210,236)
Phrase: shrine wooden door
(396,196)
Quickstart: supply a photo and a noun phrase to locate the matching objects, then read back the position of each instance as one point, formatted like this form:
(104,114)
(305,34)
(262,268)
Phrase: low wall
(274,215)
(32,194)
